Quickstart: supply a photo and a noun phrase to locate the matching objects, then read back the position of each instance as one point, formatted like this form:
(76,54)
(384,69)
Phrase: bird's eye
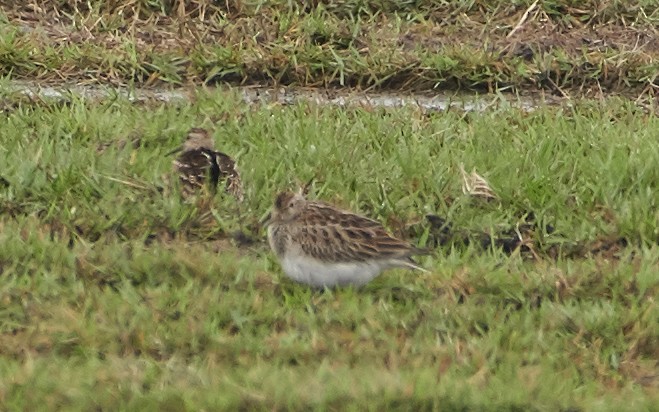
(290,204)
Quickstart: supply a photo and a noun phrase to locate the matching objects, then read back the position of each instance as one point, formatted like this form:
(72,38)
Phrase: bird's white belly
(316,273)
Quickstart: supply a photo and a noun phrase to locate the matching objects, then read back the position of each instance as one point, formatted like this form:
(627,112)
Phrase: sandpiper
(323,246)
(199,164)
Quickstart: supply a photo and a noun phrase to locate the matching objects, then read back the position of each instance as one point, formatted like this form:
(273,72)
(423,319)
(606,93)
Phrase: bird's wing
(194,167)
(229,172)
(330,234)
(226,164)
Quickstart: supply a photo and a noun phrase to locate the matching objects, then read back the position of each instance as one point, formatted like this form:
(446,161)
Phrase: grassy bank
(566,48)
(116,294)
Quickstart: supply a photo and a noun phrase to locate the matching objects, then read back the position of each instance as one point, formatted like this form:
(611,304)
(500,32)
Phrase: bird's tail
(410,264)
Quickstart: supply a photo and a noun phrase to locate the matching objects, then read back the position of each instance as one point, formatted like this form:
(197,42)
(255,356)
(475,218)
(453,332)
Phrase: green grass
(566,48)
(116,294)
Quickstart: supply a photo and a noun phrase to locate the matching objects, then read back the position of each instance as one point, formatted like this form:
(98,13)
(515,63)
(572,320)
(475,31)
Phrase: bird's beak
(266,219)
(178,149)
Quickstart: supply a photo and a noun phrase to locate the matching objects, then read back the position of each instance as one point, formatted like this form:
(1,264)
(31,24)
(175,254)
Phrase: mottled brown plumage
(322,245)
(199,165)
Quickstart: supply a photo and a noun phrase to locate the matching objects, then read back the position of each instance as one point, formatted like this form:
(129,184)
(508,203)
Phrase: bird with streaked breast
(323,246)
